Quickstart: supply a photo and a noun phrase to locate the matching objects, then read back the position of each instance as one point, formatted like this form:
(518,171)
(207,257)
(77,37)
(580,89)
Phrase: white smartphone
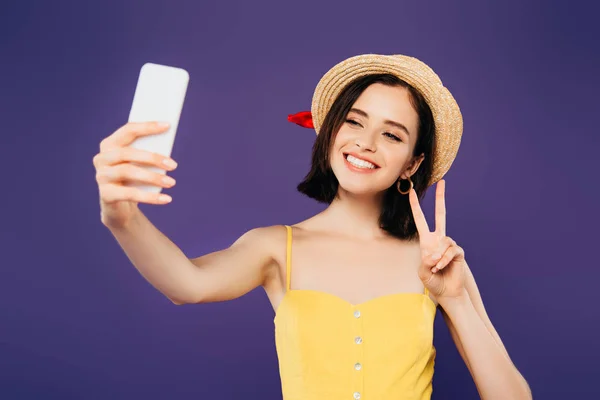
(159,96)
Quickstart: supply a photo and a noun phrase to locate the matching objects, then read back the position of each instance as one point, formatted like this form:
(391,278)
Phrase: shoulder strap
(288,258)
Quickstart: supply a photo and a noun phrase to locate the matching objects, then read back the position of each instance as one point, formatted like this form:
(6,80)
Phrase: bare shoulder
(264,236)
(270,241)
(268,238)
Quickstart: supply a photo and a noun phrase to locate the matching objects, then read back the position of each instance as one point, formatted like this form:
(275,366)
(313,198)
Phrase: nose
(365,142)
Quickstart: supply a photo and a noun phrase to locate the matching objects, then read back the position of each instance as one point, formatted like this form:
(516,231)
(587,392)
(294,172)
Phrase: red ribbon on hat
(303,118)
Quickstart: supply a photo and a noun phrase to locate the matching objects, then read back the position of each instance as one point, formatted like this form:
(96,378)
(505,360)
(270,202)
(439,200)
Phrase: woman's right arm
(218,276)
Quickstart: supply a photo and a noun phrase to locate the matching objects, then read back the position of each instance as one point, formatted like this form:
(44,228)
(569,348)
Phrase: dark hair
(322,185)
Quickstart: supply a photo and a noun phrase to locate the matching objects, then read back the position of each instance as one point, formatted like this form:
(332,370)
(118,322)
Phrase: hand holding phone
(132,163)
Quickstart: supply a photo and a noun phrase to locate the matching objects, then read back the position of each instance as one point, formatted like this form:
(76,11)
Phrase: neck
(355,215)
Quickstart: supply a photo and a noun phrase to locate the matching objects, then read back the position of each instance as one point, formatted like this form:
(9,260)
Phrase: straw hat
(445,110)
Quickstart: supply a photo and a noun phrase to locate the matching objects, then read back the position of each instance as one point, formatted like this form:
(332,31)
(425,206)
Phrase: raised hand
(115,165)
(443,266)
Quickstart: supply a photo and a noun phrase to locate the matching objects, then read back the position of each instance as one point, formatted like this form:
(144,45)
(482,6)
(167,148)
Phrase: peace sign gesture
(443,267)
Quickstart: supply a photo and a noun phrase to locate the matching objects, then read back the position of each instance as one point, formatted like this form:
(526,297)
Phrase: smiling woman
(356,293)
(347,122)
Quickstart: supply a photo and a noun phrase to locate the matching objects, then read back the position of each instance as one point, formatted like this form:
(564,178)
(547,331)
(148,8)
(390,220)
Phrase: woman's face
(374,145)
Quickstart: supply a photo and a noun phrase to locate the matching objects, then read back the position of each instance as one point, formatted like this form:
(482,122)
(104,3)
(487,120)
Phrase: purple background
(78,321)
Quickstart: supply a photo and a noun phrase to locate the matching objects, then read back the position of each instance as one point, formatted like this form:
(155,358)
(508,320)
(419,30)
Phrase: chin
(360,186)
(358,190)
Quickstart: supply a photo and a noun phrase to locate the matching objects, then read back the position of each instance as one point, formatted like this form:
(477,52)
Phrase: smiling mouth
(359,163)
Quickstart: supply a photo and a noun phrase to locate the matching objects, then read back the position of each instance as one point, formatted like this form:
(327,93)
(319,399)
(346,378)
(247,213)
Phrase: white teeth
(359,163)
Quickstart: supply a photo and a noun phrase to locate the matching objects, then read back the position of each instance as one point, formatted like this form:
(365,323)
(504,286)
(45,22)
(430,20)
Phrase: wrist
(453,303)
(122,222)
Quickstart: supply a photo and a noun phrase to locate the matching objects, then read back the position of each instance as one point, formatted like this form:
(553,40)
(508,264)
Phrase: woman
(355,288)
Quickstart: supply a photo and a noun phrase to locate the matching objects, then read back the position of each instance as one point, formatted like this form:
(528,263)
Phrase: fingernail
(170,163)
(168,180)
(163,124)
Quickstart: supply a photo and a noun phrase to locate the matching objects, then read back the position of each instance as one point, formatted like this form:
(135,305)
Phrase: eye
(392,136)
(352,122)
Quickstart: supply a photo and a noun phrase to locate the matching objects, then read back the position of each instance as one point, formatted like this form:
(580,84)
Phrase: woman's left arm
(445,273)
(480,346)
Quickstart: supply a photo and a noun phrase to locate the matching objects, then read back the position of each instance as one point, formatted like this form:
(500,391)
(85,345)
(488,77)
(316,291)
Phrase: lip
(360,158)
(359,170)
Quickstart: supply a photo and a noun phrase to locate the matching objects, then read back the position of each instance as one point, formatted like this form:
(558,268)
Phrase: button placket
(357,344)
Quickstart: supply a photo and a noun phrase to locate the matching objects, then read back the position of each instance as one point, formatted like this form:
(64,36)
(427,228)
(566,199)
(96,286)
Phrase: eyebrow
(387,121)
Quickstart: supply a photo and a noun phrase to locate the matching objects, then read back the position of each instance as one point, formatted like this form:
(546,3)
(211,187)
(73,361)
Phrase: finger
(129,154)
(445,260)
(435,256)
(440,208)
(130,173)
(417,213)
(452,252)
(126,134)
(112,193)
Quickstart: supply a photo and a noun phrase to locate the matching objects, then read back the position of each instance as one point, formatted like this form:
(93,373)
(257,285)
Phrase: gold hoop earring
(398,186)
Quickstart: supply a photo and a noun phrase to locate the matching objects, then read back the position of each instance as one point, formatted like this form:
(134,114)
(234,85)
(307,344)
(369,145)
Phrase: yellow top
(329,349)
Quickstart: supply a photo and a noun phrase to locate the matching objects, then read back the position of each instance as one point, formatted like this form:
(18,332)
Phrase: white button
(356,395)
(357,366)
(357,315)
(358,340)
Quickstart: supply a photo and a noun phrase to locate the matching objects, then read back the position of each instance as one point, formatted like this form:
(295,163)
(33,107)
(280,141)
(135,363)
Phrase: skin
(335,251)
(345,240)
